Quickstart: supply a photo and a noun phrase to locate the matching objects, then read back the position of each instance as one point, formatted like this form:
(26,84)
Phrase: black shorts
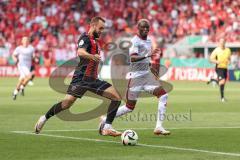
(78,87)
(32,68)
(221,73)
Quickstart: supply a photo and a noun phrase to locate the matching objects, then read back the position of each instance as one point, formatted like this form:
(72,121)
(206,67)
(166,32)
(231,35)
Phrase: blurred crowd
(55,25)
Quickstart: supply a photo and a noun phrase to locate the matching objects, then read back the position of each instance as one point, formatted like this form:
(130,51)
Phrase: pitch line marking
(93,129)
(143,145)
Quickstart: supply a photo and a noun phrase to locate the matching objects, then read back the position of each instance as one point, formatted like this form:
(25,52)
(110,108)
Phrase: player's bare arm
(136,58)
(83,53)
(154,67)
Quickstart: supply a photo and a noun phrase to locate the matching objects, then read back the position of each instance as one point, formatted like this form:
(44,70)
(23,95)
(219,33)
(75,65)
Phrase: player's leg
(27,79)
(131,99)
(213,81)
(25,72)
(32,70)
(30,82)
(135,86)
(24,83)
(222,75)
(19,86)
(154,87)
(105,128)
(113,110)
(74,91)
(133,91)
(17,89)
(66,103)
(222,86)
(162,107)
(124,109)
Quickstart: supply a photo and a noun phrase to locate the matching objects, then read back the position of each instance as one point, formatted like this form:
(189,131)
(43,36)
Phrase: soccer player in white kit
(141,77)
(23,56)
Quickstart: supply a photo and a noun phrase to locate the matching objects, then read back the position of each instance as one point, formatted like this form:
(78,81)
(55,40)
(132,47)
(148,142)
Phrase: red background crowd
(55,25)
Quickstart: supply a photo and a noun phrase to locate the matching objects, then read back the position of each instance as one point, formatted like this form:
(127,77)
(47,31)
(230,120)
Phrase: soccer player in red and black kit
(85,79)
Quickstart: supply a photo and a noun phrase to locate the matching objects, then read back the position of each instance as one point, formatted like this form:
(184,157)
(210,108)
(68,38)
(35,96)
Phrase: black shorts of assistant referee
(79,85)
(221,73)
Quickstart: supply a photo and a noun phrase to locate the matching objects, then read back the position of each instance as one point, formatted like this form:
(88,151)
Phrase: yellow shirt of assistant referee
(222,57)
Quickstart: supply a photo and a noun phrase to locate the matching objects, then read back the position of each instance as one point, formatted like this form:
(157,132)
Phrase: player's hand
(96,58)
(156,52)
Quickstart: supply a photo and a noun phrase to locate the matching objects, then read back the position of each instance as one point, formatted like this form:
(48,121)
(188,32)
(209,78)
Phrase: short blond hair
(142,20)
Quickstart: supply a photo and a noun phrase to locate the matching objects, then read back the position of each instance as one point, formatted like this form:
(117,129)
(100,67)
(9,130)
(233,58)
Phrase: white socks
(107,126)
(161,110)
(160,114)
(43,118)
(21,87)
(15,92)
(121,111)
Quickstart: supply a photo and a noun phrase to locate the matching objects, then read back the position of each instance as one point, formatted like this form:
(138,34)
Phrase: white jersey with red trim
(140,47)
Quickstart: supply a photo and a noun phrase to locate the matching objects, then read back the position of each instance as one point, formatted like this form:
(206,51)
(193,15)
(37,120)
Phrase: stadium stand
(54,25)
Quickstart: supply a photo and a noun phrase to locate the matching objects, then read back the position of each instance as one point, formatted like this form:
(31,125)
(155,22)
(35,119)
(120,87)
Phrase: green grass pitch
(202,127)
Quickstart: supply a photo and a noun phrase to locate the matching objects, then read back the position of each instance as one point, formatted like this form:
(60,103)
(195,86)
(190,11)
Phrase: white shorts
(24,71)
(146,83)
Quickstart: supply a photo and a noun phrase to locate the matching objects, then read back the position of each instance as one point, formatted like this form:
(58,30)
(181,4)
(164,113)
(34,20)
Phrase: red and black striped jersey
(87,68)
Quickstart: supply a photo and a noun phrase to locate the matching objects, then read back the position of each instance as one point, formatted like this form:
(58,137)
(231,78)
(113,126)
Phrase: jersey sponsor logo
(81,43)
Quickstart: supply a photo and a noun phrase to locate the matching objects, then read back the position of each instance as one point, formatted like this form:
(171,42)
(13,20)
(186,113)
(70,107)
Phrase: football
(129,137)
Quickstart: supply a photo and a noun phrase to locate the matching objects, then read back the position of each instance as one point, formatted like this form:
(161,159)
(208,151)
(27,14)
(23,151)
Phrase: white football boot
(161,131)
(40,123)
